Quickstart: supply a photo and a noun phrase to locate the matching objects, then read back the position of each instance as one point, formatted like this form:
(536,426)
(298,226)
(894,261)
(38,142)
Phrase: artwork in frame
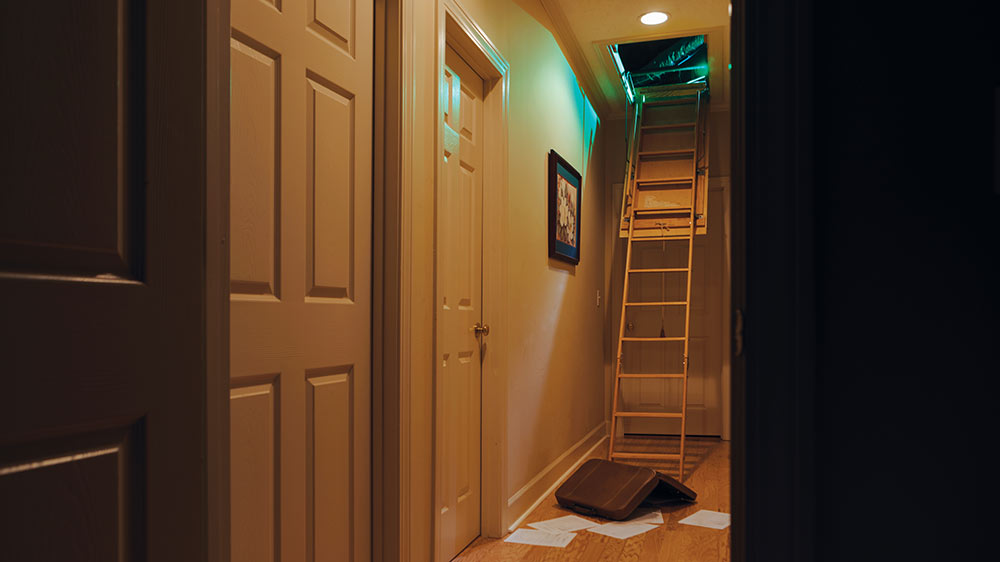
(565,191)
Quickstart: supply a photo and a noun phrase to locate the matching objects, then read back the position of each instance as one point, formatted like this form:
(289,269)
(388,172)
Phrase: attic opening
(664,62)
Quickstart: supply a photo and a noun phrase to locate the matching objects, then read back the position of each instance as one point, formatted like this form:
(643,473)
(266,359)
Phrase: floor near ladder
(708,469)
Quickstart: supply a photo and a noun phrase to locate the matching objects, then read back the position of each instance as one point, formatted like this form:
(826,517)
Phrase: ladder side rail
(687,309)
(621,335)
(701,156)
(631,171)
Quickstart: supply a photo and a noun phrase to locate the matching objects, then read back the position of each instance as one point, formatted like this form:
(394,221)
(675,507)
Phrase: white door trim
(456,28)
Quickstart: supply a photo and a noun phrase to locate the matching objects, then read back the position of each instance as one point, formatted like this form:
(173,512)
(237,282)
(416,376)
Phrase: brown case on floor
(614,490)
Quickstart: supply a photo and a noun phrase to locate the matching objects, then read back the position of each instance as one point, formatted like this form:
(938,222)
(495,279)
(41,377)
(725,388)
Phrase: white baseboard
(532,494)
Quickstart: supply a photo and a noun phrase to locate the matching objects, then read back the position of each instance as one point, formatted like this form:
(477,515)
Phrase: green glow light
(618,62)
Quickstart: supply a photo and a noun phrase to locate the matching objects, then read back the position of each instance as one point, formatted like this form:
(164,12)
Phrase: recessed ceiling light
(654,18)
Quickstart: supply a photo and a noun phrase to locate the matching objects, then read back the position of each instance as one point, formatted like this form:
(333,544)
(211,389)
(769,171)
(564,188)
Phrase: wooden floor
(707,474)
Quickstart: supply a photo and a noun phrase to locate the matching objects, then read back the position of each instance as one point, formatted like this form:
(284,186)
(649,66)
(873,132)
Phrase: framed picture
(565,188)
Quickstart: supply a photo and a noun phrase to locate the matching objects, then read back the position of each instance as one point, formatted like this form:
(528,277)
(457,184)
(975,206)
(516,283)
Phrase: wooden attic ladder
(664,201)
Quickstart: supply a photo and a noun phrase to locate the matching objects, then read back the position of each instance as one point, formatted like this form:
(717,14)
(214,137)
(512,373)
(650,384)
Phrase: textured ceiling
(588,26)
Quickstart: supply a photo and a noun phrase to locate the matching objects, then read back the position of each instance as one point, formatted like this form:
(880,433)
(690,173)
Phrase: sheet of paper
(566,524)
(540,538)
(622,530)
(653,517)
(706,518)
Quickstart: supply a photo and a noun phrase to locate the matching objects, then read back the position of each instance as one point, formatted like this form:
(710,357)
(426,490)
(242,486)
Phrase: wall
(555,345)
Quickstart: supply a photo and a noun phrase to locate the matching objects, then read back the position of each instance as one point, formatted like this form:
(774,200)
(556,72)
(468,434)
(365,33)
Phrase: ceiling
(584,28)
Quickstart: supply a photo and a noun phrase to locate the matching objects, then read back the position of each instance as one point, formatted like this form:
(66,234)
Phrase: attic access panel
(664,62)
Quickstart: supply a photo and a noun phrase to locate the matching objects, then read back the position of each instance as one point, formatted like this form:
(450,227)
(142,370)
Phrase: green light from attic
(618,61)
(622,74)
(628,90)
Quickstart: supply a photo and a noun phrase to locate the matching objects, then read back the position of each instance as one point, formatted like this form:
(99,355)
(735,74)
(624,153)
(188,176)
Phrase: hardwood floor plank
(707,467)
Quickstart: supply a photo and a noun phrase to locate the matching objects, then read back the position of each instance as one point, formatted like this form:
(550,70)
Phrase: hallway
(667,543)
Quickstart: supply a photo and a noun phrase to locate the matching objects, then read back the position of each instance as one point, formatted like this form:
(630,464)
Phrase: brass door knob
(482,328)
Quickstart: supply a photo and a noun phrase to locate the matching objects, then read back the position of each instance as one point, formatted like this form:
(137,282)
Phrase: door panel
(459,290)
(705,347)
(301,126)
(103,281)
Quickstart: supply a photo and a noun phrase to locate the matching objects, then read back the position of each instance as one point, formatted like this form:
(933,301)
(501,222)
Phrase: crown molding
(570,45)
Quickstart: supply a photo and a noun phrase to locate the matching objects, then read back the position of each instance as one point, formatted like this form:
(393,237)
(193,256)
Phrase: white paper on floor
(566,524)
(706,518)
(653,517)
(622,530)
(540,538)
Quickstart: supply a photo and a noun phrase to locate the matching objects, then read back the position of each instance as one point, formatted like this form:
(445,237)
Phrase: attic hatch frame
(657,71)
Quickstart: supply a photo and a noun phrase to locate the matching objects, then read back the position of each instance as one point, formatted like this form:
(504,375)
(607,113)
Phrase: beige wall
(556,328)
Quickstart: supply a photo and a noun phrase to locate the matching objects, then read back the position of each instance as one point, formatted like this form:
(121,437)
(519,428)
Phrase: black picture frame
(565,195)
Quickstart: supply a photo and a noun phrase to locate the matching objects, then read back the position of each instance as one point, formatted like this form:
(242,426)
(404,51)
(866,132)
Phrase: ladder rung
(659,238)
(679,338)
(687,179)
(685,100)
(649,414)
(654,456)
(666,152)
(651,375)
(669,126)
(660,269)
(657,303)
(663,211)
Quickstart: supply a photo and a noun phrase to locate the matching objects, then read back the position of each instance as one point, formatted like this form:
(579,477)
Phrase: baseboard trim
(531,495)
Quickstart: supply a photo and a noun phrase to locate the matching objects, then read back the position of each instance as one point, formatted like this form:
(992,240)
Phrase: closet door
(102,281)
(301,126)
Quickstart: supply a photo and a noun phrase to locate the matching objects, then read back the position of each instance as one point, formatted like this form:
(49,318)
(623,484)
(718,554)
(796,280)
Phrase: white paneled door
(300,211)
(459,297)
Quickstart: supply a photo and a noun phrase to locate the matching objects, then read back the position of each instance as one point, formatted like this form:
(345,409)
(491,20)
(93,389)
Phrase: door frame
(456,28)
(407,144)
(217,30)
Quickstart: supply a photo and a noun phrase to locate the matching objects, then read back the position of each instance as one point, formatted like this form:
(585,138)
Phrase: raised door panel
(253,145)
(86,490)
(253,481)
(73,142)
(330,462)
(331,185)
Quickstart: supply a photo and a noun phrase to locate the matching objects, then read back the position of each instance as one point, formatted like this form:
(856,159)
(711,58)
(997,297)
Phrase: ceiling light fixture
(654,18)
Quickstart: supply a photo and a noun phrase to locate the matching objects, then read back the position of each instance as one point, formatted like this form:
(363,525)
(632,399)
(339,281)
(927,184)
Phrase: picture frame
(565,194)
